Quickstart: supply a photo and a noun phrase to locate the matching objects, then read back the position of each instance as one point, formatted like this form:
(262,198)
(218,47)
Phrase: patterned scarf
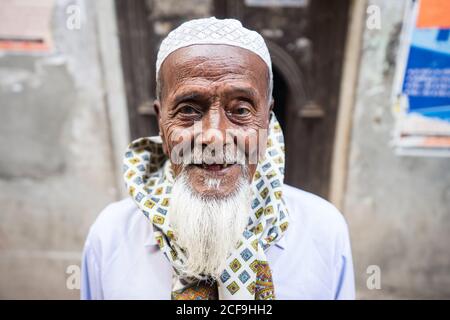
(149,179)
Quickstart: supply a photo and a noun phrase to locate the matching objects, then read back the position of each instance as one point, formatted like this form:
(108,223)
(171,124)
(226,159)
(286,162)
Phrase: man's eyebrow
(232,90)
(245,91)
(188,96)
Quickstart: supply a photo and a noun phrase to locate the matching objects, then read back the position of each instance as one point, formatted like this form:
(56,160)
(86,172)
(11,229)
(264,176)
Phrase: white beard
(207,228)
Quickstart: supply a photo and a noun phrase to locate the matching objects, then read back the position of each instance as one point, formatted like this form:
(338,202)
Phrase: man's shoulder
(318,244)
(313,212)
(114,221)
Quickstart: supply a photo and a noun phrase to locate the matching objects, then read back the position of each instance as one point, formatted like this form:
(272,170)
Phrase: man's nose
(214,125)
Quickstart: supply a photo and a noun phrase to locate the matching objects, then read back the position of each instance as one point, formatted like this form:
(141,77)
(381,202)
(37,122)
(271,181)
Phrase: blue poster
(427,75)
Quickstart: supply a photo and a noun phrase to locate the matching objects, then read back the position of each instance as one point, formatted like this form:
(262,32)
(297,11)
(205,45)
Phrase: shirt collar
(150,240)
(281,243)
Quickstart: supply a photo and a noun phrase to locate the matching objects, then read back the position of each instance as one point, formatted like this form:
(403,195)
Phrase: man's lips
(215,166)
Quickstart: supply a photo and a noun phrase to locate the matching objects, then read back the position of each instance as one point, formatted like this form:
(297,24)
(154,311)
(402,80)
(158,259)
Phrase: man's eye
(188,110)
(242,111)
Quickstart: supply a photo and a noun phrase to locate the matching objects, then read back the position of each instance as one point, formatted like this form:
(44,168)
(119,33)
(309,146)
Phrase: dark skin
(224,87)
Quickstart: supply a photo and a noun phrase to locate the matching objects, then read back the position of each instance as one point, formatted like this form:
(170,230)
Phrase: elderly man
(208,216)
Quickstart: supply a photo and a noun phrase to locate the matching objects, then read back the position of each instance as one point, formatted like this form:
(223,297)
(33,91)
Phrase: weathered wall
(398,208)
(56,165)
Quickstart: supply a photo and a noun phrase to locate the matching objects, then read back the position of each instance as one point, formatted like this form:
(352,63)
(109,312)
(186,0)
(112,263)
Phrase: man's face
(223,89)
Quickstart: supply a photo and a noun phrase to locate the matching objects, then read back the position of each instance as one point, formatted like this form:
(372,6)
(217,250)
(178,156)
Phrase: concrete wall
(57,163)
(398,208)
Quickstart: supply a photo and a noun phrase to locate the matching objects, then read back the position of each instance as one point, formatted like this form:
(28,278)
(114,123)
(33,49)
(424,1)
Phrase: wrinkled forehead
(213,62)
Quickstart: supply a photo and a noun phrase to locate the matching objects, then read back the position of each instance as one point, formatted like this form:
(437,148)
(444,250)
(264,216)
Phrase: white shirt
(121,259)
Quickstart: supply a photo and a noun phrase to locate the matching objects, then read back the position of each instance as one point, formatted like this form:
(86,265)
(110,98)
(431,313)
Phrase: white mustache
(248,146)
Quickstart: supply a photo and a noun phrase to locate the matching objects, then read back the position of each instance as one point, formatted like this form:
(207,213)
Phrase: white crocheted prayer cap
(213,31)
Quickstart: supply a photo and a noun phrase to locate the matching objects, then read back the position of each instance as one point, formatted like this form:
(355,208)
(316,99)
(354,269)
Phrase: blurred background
(363,125)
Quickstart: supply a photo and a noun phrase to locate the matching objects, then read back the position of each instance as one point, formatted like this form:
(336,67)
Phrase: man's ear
(271,105)
(157,107)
